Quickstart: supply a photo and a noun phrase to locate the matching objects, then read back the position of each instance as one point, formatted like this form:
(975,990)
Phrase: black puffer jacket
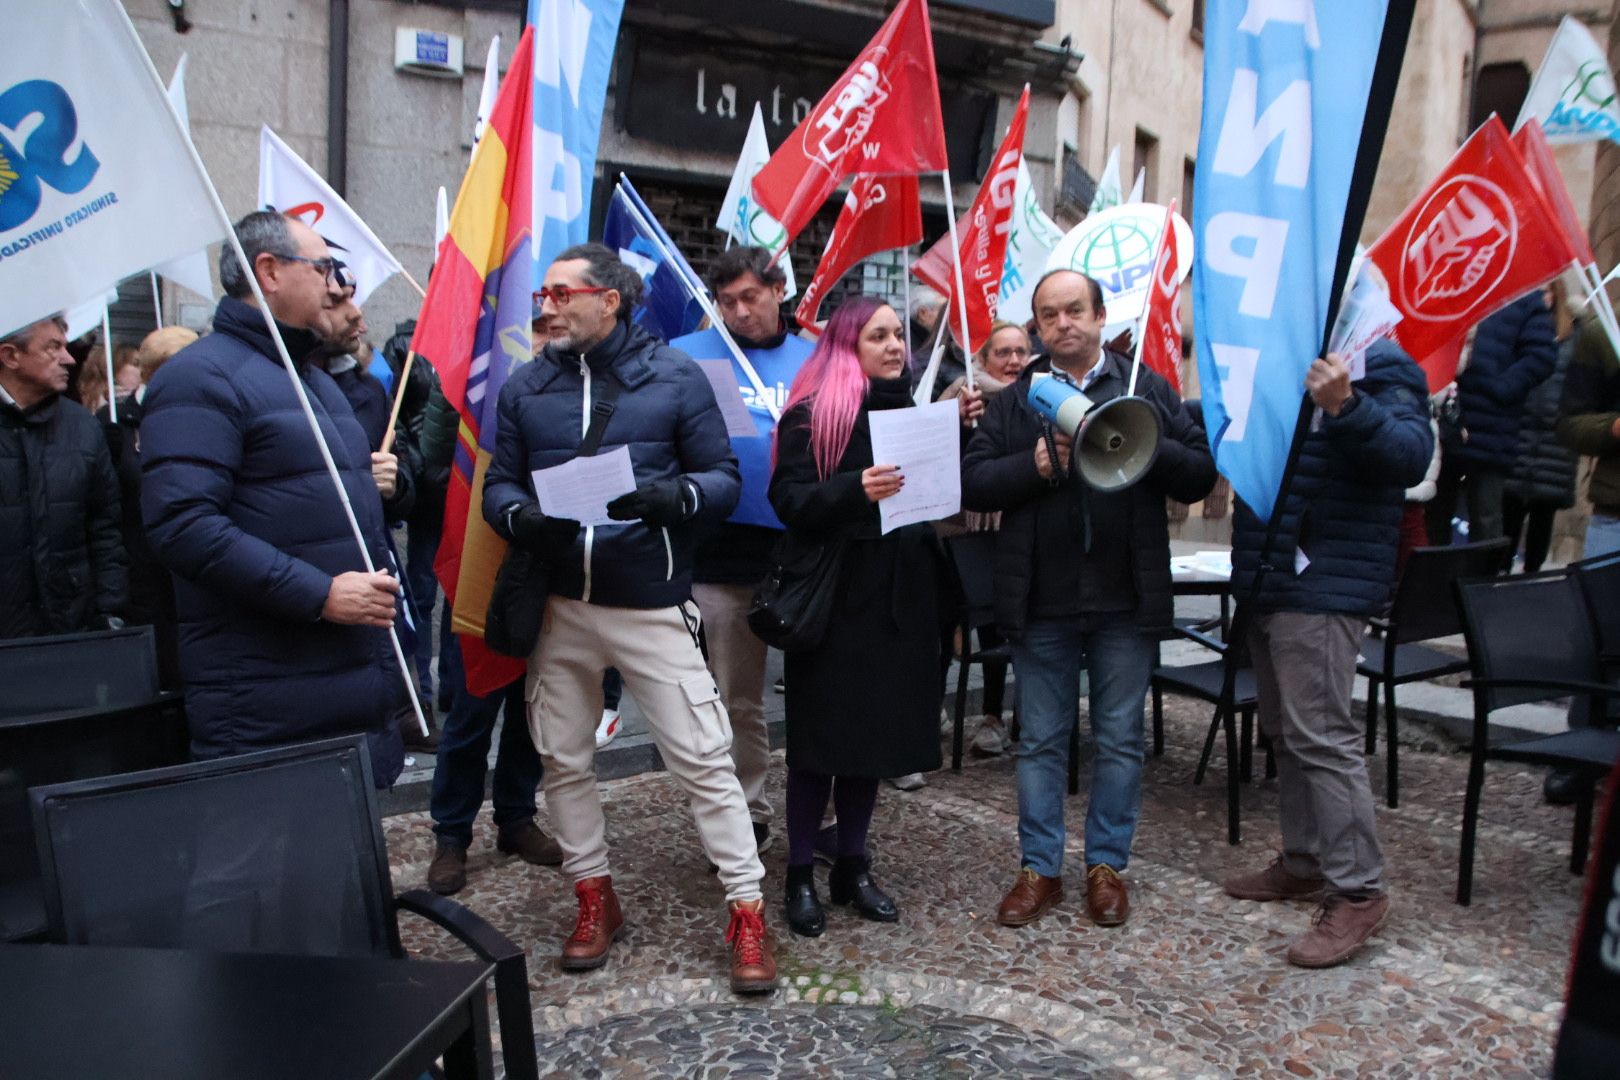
(1590,412)
(1545,469)
(998,473)
(427,510)
(1344,506)
(1514,352)
(62,562)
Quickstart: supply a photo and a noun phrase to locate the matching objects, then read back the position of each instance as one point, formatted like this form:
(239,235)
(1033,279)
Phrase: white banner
(741,218)
(287,183)
(1117,248)
(190,271)
(97,180)
(1573,91)
(1030,244)
(1109,193)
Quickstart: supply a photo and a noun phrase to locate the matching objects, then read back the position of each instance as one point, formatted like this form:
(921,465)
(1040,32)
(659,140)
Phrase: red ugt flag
(880,213)
(1538,158)
(881,116)
(1161,322)
(983,233)
(1481,236)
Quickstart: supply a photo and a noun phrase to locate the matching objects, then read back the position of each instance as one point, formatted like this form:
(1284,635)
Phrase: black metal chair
(1530,638)
(1228,684)
(1424,608)
(1599,579)
(972,557)
(74,706)
(277,851)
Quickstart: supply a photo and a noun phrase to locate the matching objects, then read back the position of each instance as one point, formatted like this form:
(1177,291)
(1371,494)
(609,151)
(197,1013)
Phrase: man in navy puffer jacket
(1514,352)
(283,634)
(1330,568)
(621,594)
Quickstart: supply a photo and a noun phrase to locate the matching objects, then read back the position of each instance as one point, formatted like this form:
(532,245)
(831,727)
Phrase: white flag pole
(106,347)
(905,316)
(956,268)
(286,360)
(925,389)
(157,299)
(695,291)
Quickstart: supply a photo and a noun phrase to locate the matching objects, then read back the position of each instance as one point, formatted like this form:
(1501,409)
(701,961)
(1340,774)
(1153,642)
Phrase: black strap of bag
(518,601)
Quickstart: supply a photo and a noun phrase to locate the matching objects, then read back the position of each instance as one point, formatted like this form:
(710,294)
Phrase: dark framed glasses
(326,267)
(561,294)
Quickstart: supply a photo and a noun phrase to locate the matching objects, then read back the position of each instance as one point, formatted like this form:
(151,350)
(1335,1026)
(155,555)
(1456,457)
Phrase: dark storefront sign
(702,101)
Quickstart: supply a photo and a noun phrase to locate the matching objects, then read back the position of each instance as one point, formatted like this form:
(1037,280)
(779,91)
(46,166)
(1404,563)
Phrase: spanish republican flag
(474,329)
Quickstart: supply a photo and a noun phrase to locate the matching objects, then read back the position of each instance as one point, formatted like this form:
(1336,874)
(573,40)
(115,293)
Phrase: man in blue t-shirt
(748,292)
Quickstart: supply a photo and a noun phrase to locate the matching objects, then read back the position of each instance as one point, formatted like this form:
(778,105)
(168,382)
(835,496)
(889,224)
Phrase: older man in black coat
(283,633)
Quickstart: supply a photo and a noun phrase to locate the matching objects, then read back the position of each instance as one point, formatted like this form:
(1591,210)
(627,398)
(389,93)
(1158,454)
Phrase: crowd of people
(207,511)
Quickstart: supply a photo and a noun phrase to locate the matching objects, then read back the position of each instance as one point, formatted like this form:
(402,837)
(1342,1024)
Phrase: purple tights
(853,798)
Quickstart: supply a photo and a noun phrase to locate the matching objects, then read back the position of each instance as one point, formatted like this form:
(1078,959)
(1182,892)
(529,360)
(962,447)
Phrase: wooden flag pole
(404,376)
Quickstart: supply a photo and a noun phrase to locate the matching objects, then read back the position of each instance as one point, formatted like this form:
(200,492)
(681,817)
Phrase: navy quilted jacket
(1514,352)
(1344,506)
(665,414)
(239,506)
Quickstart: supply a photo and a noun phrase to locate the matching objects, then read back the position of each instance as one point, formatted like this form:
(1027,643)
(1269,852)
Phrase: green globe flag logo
(1115,246)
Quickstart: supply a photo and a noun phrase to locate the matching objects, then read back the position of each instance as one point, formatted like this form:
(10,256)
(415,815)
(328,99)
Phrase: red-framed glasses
(561,294)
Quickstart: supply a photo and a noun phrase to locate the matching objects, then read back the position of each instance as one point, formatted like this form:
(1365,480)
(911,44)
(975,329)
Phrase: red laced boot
(598,924)
(753,967)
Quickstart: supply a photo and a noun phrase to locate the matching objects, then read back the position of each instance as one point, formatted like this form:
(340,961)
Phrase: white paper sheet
(926,442)
(579,490)
(728,395)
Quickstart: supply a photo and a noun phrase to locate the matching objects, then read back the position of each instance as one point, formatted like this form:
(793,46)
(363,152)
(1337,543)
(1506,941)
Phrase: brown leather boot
(598,924)
(753,966)
(1030,897)
(447,873)
(1273,883)
(1108,902)
(411,732)
(530,843)
(1340,927)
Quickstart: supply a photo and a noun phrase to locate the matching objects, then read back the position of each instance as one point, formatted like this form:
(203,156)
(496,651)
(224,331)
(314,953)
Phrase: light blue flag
(1286,84)
(573,56)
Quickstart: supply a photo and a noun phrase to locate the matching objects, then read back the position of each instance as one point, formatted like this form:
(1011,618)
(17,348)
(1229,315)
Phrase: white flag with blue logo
(1573,91)
(743,219)
(191,271)
(573,56)
(97,181)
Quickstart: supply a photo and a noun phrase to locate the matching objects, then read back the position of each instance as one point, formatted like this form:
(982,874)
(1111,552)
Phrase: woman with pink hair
(864,703)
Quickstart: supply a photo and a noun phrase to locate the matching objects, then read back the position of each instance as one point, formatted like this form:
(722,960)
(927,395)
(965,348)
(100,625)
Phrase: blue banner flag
(1286,87)
(668,309)
(573,56)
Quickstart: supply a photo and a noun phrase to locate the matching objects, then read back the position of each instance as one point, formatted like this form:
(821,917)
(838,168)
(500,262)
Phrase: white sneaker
(910,781)
(608,729)
(947,723)
(991,738)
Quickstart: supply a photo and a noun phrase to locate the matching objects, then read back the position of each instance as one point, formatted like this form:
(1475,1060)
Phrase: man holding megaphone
(1080,469)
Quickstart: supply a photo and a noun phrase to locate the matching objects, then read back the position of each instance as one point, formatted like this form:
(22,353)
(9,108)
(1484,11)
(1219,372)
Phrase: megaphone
(1116,442)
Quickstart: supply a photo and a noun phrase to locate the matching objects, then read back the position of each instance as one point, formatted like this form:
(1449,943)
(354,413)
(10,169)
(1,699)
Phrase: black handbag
(517,603)
(793,605)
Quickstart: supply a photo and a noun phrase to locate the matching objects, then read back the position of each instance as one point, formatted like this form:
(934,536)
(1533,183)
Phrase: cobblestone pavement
(1194,985)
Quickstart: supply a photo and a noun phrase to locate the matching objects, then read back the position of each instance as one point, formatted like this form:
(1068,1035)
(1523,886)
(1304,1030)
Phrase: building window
(1500,89)
(1198,21)
(1147,161)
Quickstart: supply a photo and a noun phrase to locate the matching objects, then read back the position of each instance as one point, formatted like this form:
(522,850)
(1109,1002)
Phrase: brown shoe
(1108,903)
(599,923)
(447,873)
(1339,928)
(1030,897)
(411,732)
(753,967)
(1273,883)
(530,843)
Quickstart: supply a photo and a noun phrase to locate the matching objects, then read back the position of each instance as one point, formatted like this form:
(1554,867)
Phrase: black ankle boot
(801,906)
(851,883)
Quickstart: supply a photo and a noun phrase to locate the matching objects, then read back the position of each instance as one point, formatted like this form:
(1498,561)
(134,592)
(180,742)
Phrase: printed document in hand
(926,442)
(579,490)
(739,421)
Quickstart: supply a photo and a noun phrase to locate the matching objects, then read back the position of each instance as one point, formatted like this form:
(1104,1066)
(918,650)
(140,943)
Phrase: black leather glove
(533,529)
(662,502)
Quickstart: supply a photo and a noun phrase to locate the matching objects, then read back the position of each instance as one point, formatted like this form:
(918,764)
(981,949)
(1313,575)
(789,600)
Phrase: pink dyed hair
(833,384)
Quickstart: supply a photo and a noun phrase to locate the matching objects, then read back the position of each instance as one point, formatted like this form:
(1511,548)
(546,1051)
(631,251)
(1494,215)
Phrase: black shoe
(762,836)
(851,883)
(1563,787)
(801,907)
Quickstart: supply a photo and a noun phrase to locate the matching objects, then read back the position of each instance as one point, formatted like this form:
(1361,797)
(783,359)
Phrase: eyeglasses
(1010,350)
(326,267)
(561,294)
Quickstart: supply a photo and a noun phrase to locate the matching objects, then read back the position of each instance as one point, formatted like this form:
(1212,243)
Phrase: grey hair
(605,270)
(923,299)
(22,337)
(263,232)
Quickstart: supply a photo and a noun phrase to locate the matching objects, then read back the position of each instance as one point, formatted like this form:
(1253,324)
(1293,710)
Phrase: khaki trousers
(656,651)
(737,658)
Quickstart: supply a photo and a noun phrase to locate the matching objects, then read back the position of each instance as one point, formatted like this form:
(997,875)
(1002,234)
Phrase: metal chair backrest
(107,669)
(277,851)
(1425,604)
(1527,626)
(973,556)
(1600,582)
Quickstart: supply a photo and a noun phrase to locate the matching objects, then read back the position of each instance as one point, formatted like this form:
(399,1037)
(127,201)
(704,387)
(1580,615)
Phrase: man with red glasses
(620,595)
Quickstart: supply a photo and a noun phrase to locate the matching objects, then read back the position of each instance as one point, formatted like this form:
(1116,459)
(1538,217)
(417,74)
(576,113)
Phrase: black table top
(90,1011)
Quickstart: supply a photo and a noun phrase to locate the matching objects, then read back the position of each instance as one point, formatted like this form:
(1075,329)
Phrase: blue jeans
(458,780)
(451,678)
(421,546)
(1602,536)
(1047,663)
